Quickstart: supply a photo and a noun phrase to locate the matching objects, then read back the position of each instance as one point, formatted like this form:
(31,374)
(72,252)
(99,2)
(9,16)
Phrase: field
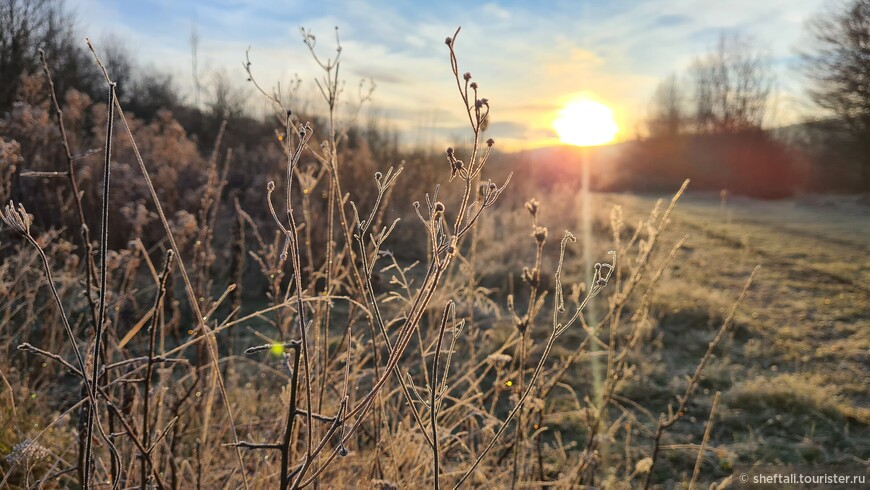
(793,371)
(202,298)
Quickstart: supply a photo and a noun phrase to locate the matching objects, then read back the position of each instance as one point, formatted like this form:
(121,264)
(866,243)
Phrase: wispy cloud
(529,57)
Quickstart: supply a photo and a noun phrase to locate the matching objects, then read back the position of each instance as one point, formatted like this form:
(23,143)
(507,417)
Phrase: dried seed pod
(532,206)
(540,234)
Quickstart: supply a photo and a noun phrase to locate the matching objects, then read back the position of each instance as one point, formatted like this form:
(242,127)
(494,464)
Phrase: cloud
(670,20)
(528,57)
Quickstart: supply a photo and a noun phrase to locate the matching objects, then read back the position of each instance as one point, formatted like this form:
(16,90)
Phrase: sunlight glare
(585,122)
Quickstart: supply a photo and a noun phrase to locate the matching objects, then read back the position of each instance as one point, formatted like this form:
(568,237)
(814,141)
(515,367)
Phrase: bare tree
(23,24)
(732,87)
(118,59)
(29,25)
(666,114)
(226,100)
(838,65)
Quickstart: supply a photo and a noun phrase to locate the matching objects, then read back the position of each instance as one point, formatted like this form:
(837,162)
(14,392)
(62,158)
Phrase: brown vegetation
(238,309)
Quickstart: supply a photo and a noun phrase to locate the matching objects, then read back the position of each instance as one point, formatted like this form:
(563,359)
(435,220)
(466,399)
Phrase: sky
(530,58)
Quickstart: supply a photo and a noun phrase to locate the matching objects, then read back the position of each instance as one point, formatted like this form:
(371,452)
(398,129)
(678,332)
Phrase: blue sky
(530,57)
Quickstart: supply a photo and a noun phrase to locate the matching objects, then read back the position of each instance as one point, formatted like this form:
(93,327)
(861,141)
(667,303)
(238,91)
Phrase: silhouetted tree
(28,25)
(226,100)
(666,116)
(732,87)
(119,62)
(838,64)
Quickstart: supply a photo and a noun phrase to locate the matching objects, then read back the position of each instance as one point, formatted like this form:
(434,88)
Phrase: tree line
(713,122)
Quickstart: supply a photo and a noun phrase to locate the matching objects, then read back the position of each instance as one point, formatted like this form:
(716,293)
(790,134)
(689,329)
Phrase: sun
(585,122)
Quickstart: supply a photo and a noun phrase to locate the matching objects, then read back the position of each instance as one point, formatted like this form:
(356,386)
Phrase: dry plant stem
(209,205)
(475,126)
(91,399)
(130,431)
(91,274)
(557,306)
(285,446)
(612,317)
(327,287)
(616,364)
(697,472)
(424,296)
(666,422)
(191,295)
(146,395)
(296,261)
(635,280)
(624,293)
(375,308)
(41,433)
(437,268)
(56,296)
(433,393)
(101,305)
(525,326)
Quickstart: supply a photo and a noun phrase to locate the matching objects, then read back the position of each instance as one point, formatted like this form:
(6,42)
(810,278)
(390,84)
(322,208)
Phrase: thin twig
(704,441)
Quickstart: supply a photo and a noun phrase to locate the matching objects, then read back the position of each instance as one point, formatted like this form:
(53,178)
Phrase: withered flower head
(540,234)
(16,218)
(532,206)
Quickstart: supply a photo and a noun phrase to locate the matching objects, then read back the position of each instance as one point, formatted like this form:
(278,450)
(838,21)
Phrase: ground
(795,372)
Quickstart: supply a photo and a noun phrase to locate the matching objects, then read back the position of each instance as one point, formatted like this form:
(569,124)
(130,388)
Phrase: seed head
(438,207)
(17,218)
(270,186)
(490,142)
(540,234)
(448,41)
(522,325)
(474,85)
(450,151)
(466,76)
(455,167)
(532,206)
(602,274)
(26,451)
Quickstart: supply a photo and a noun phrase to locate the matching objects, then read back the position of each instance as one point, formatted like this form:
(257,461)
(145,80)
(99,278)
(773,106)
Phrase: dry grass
(344,362)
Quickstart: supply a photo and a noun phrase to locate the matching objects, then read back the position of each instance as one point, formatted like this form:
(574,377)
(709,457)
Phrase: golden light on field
(585,122)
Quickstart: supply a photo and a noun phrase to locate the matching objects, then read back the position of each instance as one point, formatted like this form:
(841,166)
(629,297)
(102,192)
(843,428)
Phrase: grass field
(795,372)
